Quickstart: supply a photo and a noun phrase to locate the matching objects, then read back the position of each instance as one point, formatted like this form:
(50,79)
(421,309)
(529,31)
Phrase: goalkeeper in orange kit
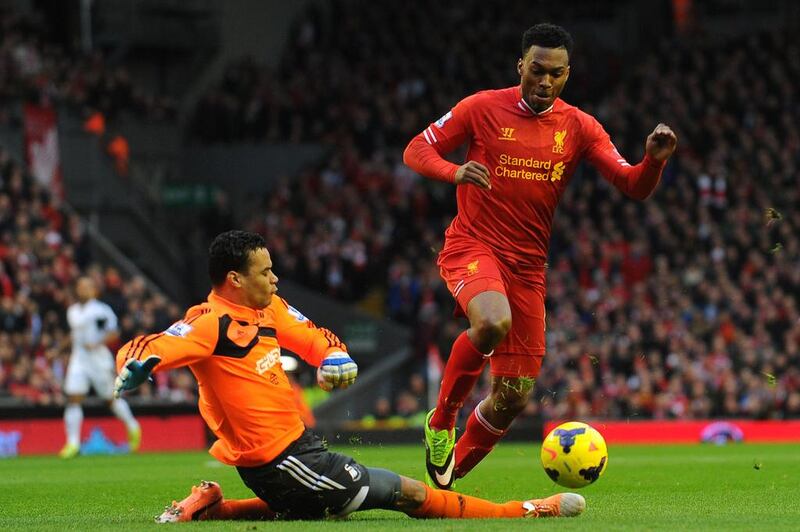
(232,344)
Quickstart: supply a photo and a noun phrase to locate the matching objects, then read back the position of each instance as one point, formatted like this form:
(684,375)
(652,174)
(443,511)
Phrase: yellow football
(574,454)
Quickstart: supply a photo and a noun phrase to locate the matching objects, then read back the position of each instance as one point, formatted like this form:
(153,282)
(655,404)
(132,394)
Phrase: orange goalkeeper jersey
(234,352)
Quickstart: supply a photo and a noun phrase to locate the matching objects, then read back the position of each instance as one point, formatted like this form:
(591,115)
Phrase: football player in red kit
(524,144)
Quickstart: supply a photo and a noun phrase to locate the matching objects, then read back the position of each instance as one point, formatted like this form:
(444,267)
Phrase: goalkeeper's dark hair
(230,251)
(546,35)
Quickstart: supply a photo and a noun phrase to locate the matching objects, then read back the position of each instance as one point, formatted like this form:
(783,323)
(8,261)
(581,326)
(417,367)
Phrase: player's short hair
(230,251)
(546,35)
(86,277)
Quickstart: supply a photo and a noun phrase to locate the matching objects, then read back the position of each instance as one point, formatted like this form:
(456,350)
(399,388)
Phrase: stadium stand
(685,306)
(35,67)
(43,249)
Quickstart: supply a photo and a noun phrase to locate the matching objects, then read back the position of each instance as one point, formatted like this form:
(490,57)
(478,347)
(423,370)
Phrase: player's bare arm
(473,173)
(661,143)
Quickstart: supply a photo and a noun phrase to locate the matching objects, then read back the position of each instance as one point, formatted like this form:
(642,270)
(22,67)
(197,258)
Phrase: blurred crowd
(36,68)
(684,306)
(43,250)
(367,76)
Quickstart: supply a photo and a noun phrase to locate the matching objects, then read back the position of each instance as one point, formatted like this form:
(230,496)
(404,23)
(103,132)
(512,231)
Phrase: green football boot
(70,450)
(440,458)
(134,439)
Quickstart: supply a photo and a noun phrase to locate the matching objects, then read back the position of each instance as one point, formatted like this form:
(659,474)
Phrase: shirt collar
(235,310)
(522,104)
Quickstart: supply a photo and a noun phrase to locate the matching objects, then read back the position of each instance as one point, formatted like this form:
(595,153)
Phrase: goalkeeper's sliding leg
(385,490)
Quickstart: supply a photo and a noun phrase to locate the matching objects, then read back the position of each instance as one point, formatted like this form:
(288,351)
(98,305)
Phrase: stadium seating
(34,67)
(43,249)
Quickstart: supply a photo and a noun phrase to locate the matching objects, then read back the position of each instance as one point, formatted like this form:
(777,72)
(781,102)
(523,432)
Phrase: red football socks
(460,375)
(478,440)
(442,503)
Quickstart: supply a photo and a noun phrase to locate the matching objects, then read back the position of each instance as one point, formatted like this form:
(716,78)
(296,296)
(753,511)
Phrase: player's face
(543,73)
(258,284)
(84,289)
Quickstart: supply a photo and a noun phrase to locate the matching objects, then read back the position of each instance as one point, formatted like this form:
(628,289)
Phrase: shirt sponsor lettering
(529,168)
(266,362)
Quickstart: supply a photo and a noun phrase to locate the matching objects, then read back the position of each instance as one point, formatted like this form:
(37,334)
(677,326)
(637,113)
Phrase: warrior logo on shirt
(506,133)
(558,139)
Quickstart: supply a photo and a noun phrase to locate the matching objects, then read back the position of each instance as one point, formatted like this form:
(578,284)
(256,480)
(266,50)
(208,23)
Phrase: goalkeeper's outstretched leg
(386,490)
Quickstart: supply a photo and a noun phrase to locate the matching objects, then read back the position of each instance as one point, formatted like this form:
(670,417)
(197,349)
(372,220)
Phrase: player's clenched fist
(661,142)
(337,370)
(473,173)
(134,373)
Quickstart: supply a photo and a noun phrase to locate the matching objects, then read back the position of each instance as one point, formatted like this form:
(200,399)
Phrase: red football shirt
(531,158)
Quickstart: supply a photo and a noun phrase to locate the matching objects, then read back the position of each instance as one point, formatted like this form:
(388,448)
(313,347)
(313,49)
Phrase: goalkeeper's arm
(318,346)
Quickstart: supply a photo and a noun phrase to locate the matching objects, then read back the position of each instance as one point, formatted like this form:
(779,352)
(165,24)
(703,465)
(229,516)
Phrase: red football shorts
(469,268)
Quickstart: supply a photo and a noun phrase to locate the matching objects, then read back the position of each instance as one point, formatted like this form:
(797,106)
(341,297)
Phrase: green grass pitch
(734,487)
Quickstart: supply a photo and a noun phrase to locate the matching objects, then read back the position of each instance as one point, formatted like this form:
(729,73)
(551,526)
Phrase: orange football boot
(199,505)
(559,505)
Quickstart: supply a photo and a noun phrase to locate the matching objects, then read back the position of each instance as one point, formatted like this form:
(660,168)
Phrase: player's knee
(507,408)
(491,330)
(512,398)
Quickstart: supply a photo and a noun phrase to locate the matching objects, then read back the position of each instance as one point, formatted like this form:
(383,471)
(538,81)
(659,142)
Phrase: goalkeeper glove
(134,373)
(337,370)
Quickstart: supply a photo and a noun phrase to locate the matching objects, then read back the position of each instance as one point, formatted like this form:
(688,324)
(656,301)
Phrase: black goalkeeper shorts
(306,481)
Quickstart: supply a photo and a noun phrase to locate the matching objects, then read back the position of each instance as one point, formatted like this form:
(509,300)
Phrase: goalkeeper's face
(258,283)
(543,73)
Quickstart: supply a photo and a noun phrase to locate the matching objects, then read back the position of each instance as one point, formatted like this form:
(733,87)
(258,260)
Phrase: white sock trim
(482,420)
